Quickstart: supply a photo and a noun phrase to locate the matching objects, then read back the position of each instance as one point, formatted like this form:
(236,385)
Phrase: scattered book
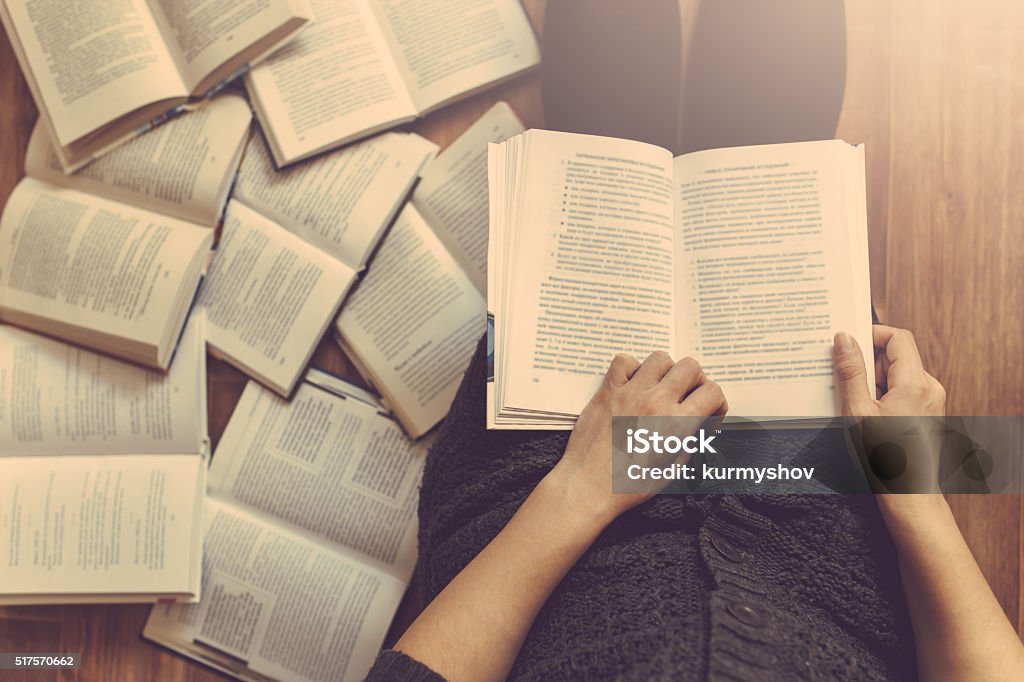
(183,169)
(102,473)
(368,65)
(104,73)
(111,257)
(310,537)
(749,259)
(452,193)
(292,244)
(411,324)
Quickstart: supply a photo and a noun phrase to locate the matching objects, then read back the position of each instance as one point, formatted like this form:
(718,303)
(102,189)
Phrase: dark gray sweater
(683,587)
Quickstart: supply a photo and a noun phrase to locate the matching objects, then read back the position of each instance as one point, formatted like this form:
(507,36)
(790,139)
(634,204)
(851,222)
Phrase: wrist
(575,499)
(911,517)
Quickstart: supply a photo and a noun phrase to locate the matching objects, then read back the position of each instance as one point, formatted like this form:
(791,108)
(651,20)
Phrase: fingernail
(843,343)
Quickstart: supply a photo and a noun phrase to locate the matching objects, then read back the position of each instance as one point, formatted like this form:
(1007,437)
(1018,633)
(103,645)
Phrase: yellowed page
(94,62)
(445,50)
(183,168)
(340,202)
(590,268)
(269,297)
(335,82)
(328,463)
(452,195)
(414,321)
(771,263)
(311,613)
(63,400)
(204,34)
(114,524)
(94,264)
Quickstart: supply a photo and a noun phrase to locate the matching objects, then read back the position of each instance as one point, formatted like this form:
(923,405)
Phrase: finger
(881,365)
(652,369)
(851,376)
(684,376)
(881,368)
(706,400)
(905,367)
(621,369)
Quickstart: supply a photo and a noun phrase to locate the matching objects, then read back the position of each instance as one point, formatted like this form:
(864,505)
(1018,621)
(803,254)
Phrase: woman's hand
(658,387)
(960,630)
(473,630)
(902,387)
(897,439)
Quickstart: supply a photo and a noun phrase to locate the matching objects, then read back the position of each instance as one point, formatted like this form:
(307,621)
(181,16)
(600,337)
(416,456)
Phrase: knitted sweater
(683,587)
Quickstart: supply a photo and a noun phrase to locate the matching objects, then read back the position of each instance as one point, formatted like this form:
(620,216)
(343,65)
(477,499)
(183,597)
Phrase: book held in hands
(749,259)
(111,257)
(102,72)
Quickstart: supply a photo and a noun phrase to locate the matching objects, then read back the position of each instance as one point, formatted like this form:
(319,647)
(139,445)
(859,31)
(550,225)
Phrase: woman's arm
(474,629)
(960,631)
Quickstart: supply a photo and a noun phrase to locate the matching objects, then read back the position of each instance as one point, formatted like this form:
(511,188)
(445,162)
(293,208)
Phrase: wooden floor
(934,89)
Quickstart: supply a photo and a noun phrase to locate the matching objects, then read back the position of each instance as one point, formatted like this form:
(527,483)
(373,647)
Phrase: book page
(108,524)
(590,267)
(336,81)
(204,35)
(93,264)
(330,464)
(449,48)
(414,322)
(452,195)
(339,202)
(269,297)
(771,263)
(93,62)
(279,605)
(182,168)
(59,399)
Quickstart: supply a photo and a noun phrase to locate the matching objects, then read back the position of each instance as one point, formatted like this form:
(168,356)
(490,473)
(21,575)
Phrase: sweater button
(747,614)
(726,549)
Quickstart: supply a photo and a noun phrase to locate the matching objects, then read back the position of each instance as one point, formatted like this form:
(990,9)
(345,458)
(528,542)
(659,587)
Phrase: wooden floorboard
(955,241)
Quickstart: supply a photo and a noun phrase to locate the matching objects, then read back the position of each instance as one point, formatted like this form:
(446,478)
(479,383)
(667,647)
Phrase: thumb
(851,376)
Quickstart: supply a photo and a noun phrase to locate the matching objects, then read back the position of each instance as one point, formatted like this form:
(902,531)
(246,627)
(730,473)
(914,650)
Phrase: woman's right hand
(656,387)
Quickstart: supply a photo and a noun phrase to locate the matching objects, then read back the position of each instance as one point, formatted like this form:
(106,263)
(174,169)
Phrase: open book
(412,323)
(110,257)
(748,259)
(310,537)
(292,244)
(368,65)
(107,71)
(102,473)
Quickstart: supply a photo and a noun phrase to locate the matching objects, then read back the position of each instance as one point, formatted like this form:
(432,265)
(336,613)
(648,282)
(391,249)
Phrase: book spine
(230,78)
(131,135)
